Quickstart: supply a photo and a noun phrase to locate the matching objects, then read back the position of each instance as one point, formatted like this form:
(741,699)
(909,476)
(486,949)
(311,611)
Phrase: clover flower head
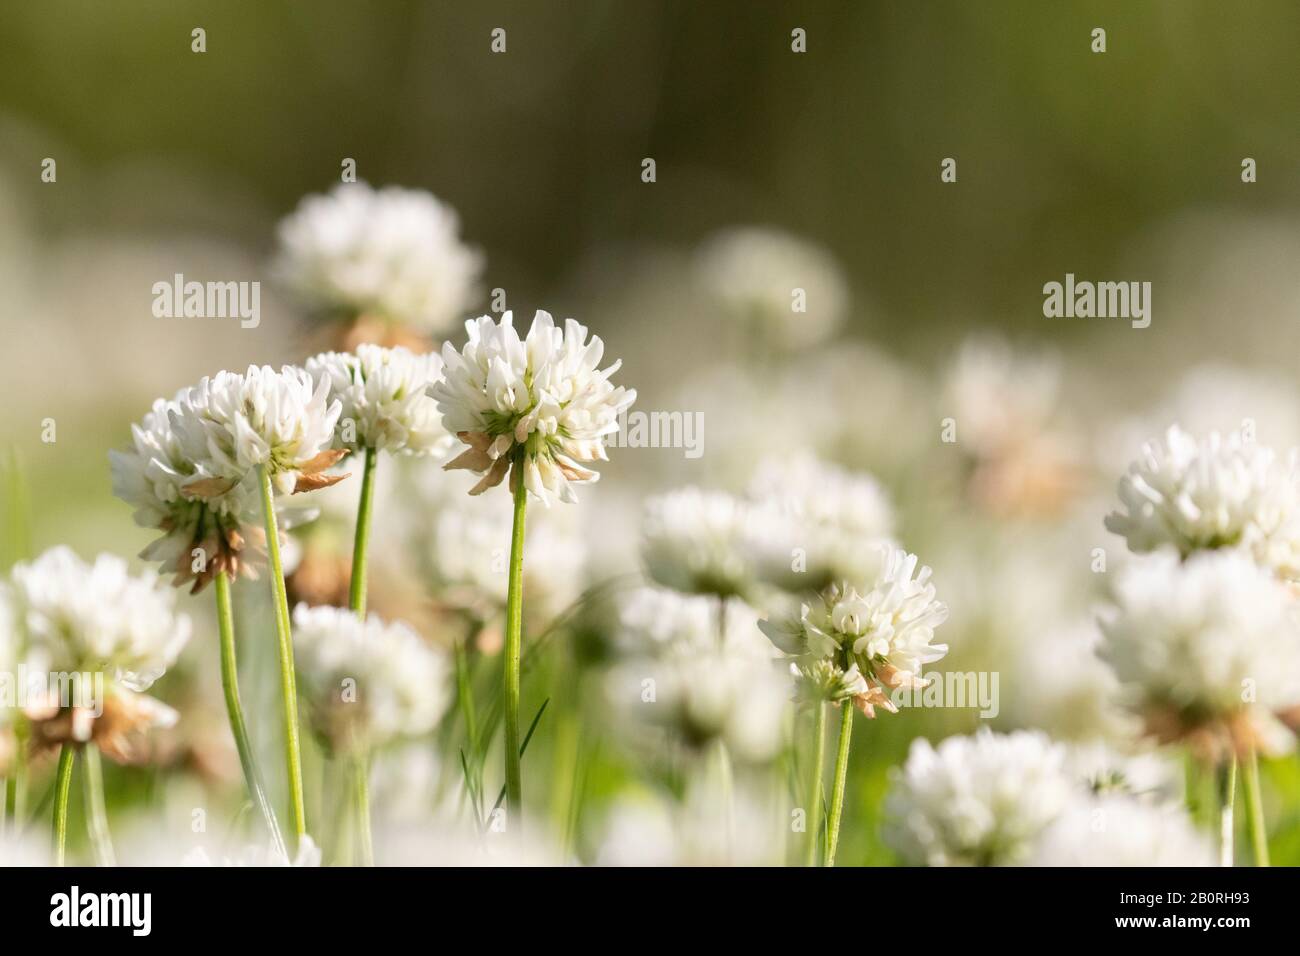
(395,254)
(652,619)
(1214,492)
(368,682)
(757,275)
(536,408)
(282,421)
(881,636)
(982,800)
(383,393)
(1205,649)
(96,617)
(1117,830)
(693,541)
(813,524)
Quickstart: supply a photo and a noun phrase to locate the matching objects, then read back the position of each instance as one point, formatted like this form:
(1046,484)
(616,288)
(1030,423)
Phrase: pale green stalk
(62,787)
(1227,796)
(235,713)
(288,684)
(92,778)
(514,643)
(1255,808)
(813,800)
(841,777)
(361,796)
(357,592)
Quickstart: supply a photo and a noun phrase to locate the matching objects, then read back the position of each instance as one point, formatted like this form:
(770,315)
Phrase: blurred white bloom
(786,289)
(464,543)
(392,253)
(536,407)
(9,653)
(1143,774)
(367,683)
(707,827)
(1116,830)
(23,850)
(651,620)
(1205,648)
(283,421)
(1006,409)
(99,617)
(694,541)
(701,685)
(384,398)
(884,633)
(447,845)
(1211,493)
(85,619)
(813,523)
(308,855)
(982,800)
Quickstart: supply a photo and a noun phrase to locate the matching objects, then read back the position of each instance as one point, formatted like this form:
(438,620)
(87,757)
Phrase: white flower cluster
(190,470)
(813,524)
(367,683)
(383,393)
(463,543)
(783,288)
(1116,830)
(694,541)
(392,253)
(1215,492)
(683,674)
(81,618)
(536,408)
(1210,640)
(860,645)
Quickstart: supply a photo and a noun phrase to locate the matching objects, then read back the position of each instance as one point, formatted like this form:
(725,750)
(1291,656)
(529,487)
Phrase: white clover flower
(391,253)
(707,827)
(757,274)
(704,686)
(1117,830)
(1216,492)
(536,407)
(1205,648)
(982,800)
(1141,774)
(80,618)
(168,453)
(384,398)
(864,644)
(367,683)
(813,524)
(651,620)
(694,541)
(282,421)
(463,543)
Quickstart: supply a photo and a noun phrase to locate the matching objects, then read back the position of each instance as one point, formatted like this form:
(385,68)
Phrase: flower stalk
(513,645)
(357,591)
(288,684)
(92,778)
(235,713)
(62,788)
(1227,780)
(841,777)
(1255,808)
(814,797)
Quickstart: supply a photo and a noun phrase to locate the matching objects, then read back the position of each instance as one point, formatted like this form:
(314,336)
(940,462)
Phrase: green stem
(1255,809)
(16,783)
(841,776)
(92,778)
(357,592)
(62,787)
(235,712)
(361,796)
(288,685)
(1227,796)
(514,642)
(813,800)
